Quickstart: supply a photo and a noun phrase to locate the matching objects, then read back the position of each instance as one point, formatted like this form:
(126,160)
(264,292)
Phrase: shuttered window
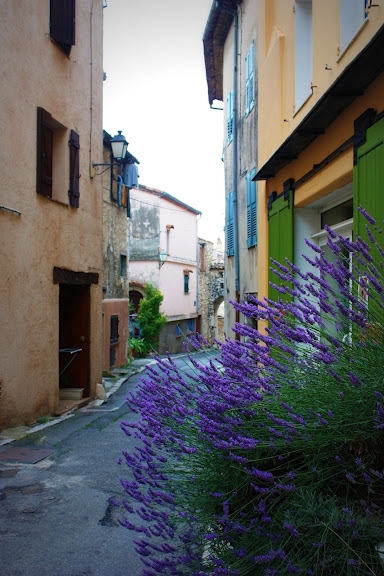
(186,283)
(114,334)
(251,192)
(44,148)
(62,23)
(229,225)
(250,79)
(280,238)
(230,117)
(74,171)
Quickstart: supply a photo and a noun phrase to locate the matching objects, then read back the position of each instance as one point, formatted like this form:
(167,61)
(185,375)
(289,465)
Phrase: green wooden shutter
(251,209)
(229,225)
(280,238)
(368,183)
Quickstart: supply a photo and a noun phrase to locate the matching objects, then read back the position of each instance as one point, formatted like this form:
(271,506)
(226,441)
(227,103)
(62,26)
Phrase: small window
(62,23)
(230,117)
(191,325)
(114,334)
(178,331)
(250,79)
(229,226)
(251,209)
(202,257)
(186,283)
(123,265)
(52,177)
(352,16)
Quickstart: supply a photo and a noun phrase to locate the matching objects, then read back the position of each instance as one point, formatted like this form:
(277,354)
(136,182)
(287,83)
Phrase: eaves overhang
(217,27)
(351,84)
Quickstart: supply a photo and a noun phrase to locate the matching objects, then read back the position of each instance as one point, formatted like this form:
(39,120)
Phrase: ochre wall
(47,233)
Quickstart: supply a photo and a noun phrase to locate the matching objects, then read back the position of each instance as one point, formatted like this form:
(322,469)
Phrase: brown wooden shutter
(62,23)
(44,146)
(74,173)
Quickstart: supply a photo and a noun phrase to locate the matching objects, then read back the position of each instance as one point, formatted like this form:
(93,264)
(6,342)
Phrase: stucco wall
(278,117)
(247,155)
(47,233)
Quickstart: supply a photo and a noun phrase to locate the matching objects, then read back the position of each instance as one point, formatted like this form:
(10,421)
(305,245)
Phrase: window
(230,117)
(202,257)
(251,209)
(229,225)
(303,51)
(186,283)
(52,160)
(191,325)
(352,16)
(250,79)
(62,23)
(114,333)
(123,265)
(178,331)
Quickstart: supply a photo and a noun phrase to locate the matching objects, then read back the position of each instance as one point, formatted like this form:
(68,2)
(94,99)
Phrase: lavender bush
(269,459)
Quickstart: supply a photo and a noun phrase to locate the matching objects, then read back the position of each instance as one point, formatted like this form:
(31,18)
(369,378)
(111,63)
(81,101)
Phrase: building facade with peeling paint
(160,223)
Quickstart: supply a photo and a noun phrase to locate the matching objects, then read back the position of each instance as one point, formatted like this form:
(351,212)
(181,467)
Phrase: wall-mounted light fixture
(162,258)
(119,147)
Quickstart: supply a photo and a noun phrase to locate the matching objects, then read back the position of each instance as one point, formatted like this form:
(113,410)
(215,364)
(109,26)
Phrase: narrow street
(55,517)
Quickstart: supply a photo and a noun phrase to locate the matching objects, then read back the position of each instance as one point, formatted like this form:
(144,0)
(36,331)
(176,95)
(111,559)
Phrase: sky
(156,93)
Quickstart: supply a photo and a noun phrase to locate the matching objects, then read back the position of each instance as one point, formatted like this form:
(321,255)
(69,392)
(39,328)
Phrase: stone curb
(20,432)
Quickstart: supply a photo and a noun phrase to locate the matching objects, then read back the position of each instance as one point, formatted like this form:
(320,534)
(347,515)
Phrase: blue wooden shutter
(230,116)
(229,225)
(251,209)
(280,238)
(249,79)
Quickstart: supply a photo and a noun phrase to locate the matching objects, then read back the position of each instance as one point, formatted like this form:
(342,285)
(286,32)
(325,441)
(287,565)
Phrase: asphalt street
(55,516)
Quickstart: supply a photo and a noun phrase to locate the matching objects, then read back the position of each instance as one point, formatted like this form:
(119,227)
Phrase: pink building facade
(160,223)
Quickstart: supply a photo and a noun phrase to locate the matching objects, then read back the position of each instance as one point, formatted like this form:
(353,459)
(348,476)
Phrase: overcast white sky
(156,93)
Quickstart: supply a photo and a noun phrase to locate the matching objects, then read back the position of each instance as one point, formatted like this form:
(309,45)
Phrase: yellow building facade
(320,123)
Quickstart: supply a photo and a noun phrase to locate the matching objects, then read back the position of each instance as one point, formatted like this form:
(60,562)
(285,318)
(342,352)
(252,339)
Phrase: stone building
(211,290)
(116,211)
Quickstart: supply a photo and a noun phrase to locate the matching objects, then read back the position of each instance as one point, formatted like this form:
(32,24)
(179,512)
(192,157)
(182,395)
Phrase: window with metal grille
(114,334)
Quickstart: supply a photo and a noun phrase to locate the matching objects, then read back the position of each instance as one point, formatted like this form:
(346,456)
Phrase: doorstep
(69,405)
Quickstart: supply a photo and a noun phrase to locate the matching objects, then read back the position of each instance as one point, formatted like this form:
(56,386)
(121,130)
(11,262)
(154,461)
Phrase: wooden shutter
(280,238)
(230,116)
(44,147)
(251,209)
(249,79)
(62,23)
(229,225)
(74,172)
(368,181)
